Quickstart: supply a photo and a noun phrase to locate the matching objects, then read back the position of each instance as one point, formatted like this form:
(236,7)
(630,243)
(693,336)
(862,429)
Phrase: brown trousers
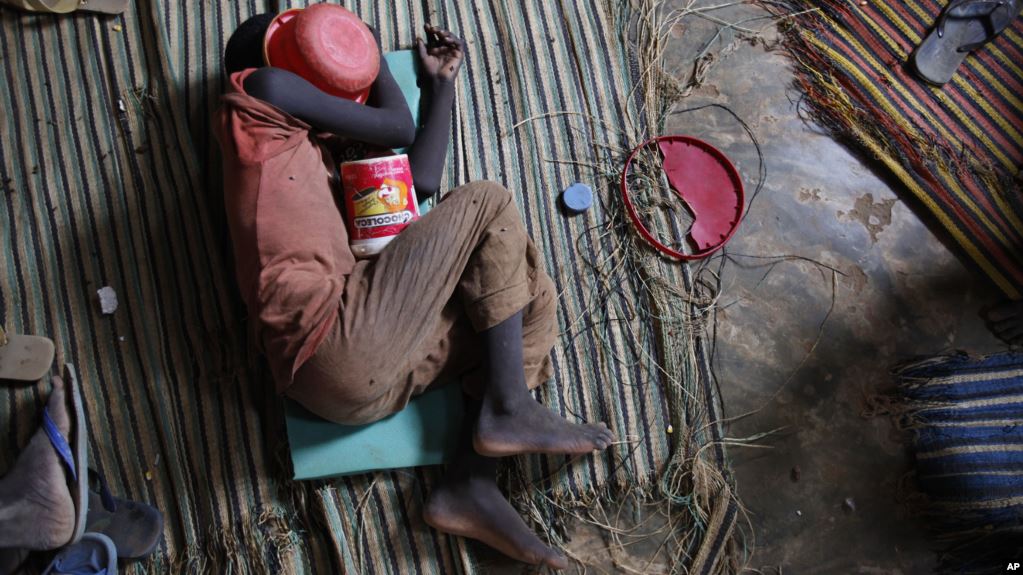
(412,316)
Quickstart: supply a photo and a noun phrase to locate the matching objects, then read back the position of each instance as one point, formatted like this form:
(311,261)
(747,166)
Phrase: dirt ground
(822,493)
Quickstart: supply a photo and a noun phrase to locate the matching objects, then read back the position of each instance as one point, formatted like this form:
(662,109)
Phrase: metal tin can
(380,202)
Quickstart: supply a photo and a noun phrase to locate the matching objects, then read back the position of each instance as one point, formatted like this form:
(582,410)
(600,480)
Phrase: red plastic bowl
(338,47)
(320,56)
(279,48)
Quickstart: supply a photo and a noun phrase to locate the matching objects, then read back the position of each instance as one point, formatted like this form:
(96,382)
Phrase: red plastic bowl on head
(338,47)
(279,48)
(327,45)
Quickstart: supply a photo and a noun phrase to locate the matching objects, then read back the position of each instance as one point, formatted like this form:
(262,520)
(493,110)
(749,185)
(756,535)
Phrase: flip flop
(75,456)
(964,26)
(104,6)
(94,554)
(66,6)
(135,528)
(24,357)
(50,6)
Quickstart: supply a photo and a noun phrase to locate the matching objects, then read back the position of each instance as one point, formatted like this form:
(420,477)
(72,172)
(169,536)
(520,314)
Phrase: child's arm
(441,62)
(384,121)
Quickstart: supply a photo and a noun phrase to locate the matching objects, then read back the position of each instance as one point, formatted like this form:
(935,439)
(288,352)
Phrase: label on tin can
(380,200)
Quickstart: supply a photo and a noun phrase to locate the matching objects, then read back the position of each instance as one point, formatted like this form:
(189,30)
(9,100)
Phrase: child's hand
(442,55)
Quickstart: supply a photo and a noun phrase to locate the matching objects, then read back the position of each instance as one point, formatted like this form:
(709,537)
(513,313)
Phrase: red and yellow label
(380,200)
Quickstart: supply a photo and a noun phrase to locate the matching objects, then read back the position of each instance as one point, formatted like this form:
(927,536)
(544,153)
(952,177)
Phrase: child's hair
(245,47)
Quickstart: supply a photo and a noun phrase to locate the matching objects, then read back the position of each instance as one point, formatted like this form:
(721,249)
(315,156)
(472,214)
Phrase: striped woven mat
(958,149)
(110,178)
(965,414)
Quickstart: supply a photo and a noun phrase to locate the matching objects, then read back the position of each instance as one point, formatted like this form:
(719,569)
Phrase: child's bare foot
(529,427)
(475,508)
(1006,321)
(36,508)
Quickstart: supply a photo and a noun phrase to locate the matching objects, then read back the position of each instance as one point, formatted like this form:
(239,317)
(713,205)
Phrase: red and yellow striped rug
(958,148)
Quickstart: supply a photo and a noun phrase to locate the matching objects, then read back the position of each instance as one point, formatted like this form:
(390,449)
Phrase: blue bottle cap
(577,198)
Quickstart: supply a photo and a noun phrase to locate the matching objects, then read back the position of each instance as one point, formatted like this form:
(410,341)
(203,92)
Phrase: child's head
(245,47)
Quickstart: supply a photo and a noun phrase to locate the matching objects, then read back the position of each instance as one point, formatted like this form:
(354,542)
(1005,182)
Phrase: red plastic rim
(280,50)
(734,183)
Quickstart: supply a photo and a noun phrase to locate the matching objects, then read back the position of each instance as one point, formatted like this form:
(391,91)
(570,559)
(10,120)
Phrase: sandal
(72,454)
(66,6)
(94,554)
(964,26)
(24,357)
(76,458)
(135,528)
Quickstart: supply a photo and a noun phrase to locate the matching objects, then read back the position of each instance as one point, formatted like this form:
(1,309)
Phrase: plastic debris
(120,106)
(107,300)
(799,513)
(849,505)
(706,182)
(118,28)
(577,198)
(670,429)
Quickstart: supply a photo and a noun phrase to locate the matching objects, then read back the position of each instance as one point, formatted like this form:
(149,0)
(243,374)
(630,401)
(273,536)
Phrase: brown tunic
(290,244)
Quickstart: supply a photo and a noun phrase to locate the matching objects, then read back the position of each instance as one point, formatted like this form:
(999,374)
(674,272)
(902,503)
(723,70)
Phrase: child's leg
(467,502)
(511,421)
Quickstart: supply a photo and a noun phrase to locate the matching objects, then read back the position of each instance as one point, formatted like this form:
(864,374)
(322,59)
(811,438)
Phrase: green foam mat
(424,433)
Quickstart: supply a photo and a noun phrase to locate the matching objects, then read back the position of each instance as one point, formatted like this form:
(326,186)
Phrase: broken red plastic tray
(706,181)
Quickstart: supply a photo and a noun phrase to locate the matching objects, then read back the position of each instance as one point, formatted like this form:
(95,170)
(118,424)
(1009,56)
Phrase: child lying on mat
(458,294)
